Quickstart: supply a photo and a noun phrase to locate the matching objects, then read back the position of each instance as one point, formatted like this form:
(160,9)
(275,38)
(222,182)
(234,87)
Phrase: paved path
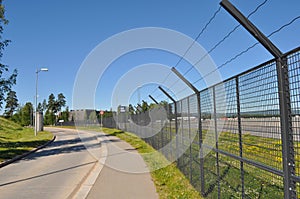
(124,175)
(56,171)
(70,167)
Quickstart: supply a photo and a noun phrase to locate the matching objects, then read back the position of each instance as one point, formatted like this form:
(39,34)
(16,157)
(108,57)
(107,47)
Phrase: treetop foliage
(6,80)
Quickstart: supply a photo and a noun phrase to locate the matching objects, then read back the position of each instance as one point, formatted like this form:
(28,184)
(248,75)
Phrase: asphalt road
(261,127)
(56,171)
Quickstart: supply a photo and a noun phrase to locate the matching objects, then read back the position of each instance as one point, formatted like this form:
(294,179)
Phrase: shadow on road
(63,147)
(47,174)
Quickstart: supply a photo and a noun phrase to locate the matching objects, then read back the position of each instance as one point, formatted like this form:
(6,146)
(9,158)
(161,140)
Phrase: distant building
(81,115)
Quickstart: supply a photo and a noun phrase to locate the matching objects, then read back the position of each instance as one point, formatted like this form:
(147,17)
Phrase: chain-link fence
(229,140)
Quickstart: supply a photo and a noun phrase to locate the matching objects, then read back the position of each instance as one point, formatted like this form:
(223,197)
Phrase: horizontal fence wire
(230,144)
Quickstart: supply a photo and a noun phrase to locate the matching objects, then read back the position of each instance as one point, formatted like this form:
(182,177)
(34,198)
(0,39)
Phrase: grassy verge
(169,181)
(258,183)
(16,140)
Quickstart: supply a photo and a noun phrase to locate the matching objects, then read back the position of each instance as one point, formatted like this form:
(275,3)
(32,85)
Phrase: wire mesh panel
(195,147)
(183,133)
(228,140)
(227,113)
(109,122)
(179,141)
(207,116)
(172,129)
(260,116)
(260,123)
(209,143)
(169,134)
(261,184)
(294,78)
(230,177)
(164,139)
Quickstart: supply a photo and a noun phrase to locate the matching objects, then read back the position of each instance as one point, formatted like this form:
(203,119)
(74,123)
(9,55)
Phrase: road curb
(19,157)
(91,177)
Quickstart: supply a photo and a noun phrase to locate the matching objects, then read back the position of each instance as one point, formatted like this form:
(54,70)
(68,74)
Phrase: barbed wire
(237,55)
(226,36)
(244,51)
(198,36)
(191,45)
(219,43)
(284,26)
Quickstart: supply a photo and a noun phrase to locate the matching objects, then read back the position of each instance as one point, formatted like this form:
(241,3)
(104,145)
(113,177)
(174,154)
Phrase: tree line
(24,115)
(144,107)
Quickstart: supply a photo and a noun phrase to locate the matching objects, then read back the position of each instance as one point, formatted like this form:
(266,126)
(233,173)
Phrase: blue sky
(60,34)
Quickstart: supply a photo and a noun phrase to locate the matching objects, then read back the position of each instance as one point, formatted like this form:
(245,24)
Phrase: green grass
(16,140)
(258,183)
(169,181)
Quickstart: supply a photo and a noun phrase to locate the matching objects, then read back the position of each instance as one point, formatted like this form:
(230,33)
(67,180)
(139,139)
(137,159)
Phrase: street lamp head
(41,69)
(44,69)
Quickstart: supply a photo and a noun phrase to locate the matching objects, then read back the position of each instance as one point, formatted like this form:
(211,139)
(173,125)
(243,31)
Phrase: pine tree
(26,114)
(39,107)
(49,115)
(11,103)
(44,105)
(131,109)
(60,102)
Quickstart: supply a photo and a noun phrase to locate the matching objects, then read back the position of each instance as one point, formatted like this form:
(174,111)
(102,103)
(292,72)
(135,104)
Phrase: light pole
(36,96)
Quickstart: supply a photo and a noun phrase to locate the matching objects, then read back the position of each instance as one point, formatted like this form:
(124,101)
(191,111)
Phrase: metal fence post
(162,135)
(153,99)
(240,133)
(217,142)
(202,181)
(190,142)
(176,130)
(170,132)
(180,142)
(175,113)
(286,128)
